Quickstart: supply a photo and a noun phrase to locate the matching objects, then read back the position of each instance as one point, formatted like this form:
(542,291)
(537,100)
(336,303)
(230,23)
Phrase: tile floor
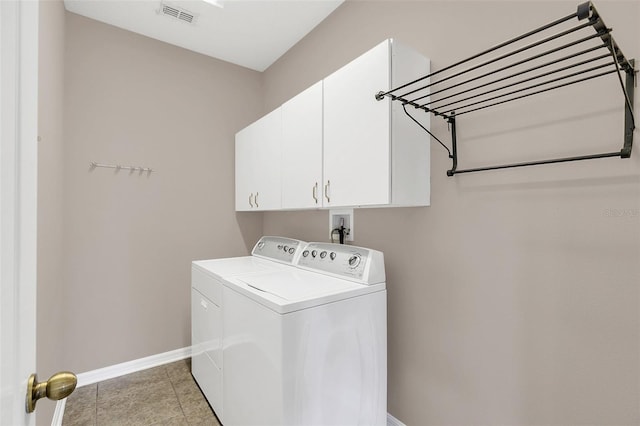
(164,395)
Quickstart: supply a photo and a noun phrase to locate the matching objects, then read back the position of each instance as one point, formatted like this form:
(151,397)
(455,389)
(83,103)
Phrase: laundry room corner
(513,297)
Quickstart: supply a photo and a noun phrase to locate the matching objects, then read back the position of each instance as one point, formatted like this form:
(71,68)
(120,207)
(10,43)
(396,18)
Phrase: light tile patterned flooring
(164,395)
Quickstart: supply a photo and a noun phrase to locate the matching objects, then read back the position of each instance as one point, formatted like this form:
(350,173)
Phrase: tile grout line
(97,388)
(173,381)
(166,371)
(179,402)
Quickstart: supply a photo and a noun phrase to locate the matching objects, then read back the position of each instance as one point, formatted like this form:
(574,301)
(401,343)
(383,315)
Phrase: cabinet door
(245,164)
(268,158)
(302,150)
(258,158)
(357,131)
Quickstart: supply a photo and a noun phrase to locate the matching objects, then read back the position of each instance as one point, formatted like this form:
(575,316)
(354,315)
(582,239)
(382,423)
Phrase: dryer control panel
(359,264)
(280,249)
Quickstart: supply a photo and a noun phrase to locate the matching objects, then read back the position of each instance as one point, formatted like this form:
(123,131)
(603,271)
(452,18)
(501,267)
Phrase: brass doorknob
(59,386)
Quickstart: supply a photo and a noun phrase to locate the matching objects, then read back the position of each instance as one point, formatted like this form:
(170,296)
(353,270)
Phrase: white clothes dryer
(207,276)
(307,346)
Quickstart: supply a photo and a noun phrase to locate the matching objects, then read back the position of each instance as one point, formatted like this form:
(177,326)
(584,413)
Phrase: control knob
(314,253)
(323,254)
(354,260)
(305,253)
(332,255)
(291,250)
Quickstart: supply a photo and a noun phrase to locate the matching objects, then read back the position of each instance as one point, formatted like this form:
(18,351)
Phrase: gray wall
(49,357)
(129,239)
(513,298)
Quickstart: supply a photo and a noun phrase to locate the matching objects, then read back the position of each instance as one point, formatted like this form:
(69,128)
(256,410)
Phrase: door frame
(18,204)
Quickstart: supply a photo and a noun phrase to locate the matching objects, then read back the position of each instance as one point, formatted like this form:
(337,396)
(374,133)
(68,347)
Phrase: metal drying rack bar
(118,167)
(575,67)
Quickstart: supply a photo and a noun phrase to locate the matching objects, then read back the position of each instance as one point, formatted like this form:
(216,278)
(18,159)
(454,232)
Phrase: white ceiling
(251,33)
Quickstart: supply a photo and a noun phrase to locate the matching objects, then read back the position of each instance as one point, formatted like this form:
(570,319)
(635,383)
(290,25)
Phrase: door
(244,171)
(357,131)
(268,150)
(302,150)
(18,190)
(258,150)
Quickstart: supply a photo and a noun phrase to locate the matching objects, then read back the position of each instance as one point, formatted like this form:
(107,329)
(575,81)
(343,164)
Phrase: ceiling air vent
(176,12)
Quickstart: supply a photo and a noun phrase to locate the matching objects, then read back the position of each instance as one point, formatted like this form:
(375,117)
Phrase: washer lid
(291,290)
(232,266)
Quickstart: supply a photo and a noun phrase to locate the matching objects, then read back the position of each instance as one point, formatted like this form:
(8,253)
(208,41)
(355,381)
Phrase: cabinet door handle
(255,199)
(314,194)
(326,191)
(250,199)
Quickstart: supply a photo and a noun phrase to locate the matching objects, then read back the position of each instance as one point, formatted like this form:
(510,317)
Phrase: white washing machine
(269,254)
(307,346)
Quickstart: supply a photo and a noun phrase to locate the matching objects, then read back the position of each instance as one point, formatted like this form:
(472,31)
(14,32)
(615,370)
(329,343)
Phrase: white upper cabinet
(244,171)
(302,150)
(374,155)
(335,145)
(356,132)
(258,159)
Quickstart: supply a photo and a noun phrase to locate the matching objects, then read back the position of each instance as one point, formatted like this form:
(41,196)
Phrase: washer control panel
(280,249)
(350,262)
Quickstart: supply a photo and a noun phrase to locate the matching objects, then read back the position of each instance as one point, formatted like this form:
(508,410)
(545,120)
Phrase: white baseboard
(117,370)
(95,376)
(58,414)
(392,421)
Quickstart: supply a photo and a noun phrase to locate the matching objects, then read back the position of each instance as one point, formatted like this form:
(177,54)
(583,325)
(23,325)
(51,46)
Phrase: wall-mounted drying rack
(118,167)
(563,59)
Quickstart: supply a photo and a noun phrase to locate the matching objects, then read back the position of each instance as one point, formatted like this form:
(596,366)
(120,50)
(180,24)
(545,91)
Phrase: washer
(268,255)
(307,346)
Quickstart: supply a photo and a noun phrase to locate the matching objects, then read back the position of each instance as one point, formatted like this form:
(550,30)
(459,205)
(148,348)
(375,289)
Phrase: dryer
(307,345)
(207,277)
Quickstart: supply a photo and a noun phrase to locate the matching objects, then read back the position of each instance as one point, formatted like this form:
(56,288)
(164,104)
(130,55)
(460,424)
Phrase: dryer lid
(290,290)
